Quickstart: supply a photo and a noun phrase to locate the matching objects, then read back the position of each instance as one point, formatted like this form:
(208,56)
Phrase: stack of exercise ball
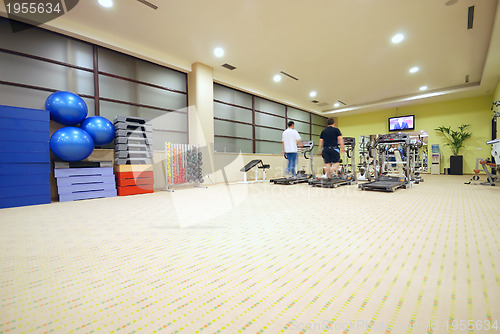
(72,143)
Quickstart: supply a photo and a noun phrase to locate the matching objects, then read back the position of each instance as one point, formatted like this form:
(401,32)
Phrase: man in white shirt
(291,140)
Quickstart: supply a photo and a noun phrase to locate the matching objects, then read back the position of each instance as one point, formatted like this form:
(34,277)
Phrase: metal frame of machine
(391,183)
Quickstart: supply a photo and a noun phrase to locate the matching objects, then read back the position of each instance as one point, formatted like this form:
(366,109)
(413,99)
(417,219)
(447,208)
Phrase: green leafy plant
(455,139)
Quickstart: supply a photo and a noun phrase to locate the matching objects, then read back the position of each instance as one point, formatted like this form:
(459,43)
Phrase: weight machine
(494,163)
(491,177)
(346,175)
(365,164)
(301,177)
(402,168)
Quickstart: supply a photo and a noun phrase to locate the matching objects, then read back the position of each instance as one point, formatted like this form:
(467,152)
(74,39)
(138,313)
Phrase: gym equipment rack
(183,165)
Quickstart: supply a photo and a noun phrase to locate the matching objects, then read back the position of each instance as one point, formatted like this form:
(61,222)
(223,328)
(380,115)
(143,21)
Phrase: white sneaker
(323,176)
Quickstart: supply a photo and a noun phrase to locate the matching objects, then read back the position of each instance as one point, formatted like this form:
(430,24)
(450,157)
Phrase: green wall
(474,111)
(496,95)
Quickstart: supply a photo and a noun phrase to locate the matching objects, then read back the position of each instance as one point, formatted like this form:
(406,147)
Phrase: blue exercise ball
(66,108)
(71,144)
(100,128)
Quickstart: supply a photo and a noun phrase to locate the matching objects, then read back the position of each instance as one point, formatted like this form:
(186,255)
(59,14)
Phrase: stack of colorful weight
(133,155)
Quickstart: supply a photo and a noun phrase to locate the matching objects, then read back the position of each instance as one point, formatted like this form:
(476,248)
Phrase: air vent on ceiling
(149,4)
(470,18)
(467,78)
(229,67)
(314,101)
(288,75)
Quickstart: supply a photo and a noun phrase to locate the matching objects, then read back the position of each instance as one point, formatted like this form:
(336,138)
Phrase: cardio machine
(346,174)
(301,177)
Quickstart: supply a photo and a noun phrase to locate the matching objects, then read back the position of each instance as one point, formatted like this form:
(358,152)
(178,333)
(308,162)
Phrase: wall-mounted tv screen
(402,123)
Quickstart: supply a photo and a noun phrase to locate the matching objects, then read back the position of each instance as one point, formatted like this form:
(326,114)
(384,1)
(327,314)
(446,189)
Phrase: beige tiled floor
(257,258)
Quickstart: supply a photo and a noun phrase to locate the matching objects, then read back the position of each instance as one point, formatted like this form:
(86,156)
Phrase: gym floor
(258,258)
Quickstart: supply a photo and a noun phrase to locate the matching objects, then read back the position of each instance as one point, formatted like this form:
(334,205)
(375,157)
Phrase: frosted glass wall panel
(316,140)
(161,137)
(39,73)
(233,145)
(233,113)
(266,147)
(161,76)
(32,98)
(110,110)
(269,106)
(22,97)
(232,96)
(224,128)
(117,89)
(132,68)
(268,120)
(302,127)
(319,120)
(175,121)
(316,129)
(156,97)
(47,45)
(268,134)
(116,63)
(298,115)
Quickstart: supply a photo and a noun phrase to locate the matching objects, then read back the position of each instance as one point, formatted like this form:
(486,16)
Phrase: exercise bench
(252,164)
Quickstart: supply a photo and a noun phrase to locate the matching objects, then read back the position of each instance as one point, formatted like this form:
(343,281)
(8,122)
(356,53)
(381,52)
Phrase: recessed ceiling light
(398,38)
(106,3)
(312,94)
(277,78)
(414,69)
(423,88)
(219,52)
(337,104)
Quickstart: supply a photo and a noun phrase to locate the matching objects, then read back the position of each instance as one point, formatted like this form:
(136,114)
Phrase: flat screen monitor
(402,123)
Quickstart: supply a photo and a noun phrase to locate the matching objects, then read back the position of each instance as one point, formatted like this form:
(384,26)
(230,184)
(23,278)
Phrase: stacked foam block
(133,155)
(84,180)
(24,157)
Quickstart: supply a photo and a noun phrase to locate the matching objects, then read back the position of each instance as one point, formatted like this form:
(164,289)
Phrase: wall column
(201,112)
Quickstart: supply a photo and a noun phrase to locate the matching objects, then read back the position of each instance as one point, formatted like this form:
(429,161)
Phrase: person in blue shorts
(331,145)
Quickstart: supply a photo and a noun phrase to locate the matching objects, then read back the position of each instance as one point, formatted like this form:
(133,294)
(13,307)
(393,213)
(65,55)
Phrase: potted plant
(456,141)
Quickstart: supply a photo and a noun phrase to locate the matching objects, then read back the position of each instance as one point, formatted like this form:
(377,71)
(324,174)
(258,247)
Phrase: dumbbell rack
(183,164)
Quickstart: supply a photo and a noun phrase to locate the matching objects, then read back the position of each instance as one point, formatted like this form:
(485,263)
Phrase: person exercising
(291,140)
(329,142)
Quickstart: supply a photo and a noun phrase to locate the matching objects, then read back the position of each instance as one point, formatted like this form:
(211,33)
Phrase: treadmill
(345,178)
(301,177)
(385,182)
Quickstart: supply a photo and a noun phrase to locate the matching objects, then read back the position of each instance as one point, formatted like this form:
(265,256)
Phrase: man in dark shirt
(329,142)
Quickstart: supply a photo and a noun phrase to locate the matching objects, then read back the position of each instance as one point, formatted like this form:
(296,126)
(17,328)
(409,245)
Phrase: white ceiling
(340,48)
